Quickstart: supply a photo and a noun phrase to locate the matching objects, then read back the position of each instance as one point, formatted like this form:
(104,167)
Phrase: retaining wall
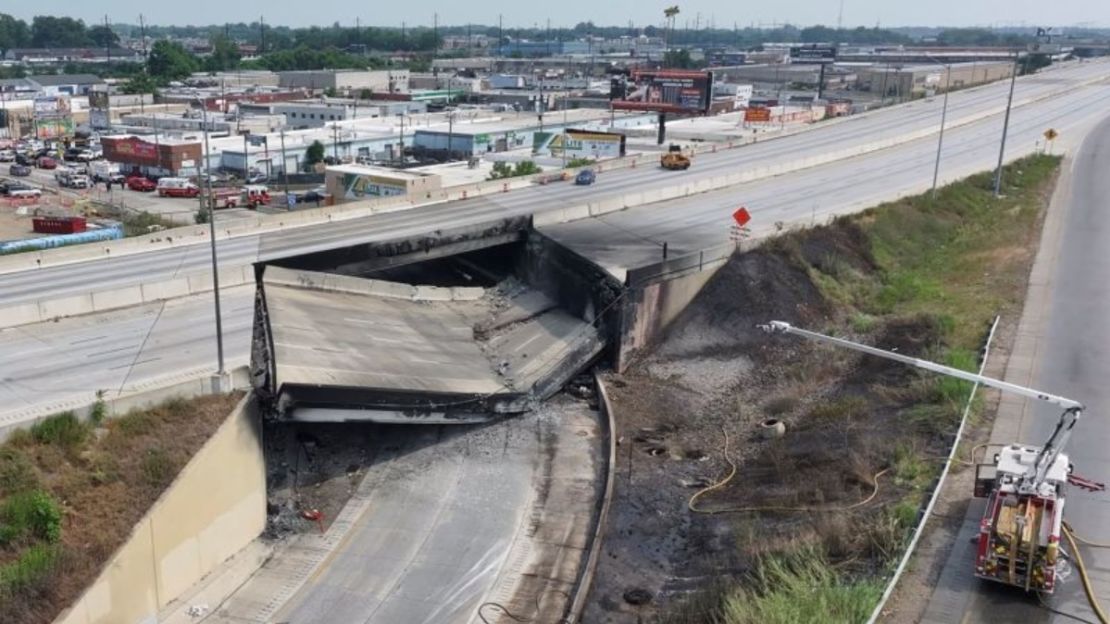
(655,295)
(214,508)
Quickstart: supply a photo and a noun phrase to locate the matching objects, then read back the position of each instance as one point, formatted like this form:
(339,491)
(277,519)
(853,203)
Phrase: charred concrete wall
(655,295)
(579,286)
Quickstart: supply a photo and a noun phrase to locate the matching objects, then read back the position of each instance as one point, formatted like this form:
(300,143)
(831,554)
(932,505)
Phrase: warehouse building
(917,80)
(380,81)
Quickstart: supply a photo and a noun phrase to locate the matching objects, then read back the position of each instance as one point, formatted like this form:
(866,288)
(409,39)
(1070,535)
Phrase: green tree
(140,83)
(104,36)
(679,59)
(14,33)
(225,54)
(170,61)
(314,154)
(59,32)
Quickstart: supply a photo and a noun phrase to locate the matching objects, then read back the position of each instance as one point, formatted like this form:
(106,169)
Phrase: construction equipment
(674,159)
(1025,486)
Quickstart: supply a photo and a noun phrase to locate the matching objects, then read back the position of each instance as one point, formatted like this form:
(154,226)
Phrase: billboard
(99,116)
(581,144)
(52,106)
(757,114)
(54,128)
(362,186)
(667,91)
(131,151)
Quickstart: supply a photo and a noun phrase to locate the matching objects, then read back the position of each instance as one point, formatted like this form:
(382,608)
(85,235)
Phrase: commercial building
(34,56)
(64,84)
(354,182)
(300,114)
(917,80)
(381,81)
(168,157)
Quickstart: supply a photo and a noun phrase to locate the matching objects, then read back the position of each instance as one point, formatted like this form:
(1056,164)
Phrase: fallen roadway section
(342,348)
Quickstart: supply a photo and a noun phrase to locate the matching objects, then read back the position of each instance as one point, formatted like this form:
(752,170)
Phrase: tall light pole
(1005,129)
(564,120)
(450,131)
(212,238)
(943,118)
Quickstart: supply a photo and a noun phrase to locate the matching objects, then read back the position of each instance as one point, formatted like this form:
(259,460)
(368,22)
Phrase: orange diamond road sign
(1051,134)
(742,216)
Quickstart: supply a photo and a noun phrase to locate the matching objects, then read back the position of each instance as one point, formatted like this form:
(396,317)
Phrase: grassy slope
(71,491)
(959,259)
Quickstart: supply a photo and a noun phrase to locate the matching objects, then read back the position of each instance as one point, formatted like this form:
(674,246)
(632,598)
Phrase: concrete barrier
(214,508)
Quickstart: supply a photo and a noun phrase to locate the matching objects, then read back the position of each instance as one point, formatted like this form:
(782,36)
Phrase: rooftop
(54,80)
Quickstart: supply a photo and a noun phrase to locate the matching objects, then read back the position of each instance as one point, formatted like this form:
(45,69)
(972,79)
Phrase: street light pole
(564,121)
(284,163)
(1005,129)
(450,131)
(212,237)
(943,118)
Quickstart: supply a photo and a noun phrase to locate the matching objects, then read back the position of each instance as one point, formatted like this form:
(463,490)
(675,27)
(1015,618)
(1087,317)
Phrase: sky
(722,13)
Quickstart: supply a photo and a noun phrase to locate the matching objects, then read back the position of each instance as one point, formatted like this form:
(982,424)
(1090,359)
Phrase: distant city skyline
(718,13)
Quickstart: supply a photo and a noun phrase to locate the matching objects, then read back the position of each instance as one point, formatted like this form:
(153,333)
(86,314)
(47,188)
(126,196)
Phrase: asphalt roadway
(1069,356)
(52,282)
(65,361)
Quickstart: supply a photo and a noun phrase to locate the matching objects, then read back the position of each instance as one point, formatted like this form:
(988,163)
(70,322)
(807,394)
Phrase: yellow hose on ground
(1091,598)
(692,503)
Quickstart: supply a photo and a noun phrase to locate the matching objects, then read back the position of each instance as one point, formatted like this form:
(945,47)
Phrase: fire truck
(1025,486)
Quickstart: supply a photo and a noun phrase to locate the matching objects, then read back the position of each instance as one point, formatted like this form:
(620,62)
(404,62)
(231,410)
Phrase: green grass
(63,430)
(30,572)
(30,514)
(800,587)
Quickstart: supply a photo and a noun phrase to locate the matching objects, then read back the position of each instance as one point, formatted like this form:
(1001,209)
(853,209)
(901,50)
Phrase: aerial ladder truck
(1025,486)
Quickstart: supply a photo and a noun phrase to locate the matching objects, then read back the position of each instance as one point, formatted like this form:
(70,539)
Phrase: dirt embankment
(862,435)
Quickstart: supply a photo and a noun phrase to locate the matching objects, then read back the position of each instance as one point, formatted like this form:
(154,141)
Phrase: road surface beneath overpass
(57,368)
(924,115)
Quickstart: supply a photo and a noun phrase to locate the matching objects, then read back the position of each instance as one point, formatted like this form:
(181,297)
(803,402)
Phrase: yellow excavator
(674,159)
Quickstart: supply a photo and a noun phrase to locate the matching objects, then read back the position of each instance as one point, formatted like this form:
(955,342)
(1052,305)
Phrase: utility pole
(335,141)
(1005,129)
(108,39)
(261,34)
(943,118)
(402,139)
(142,36)
(220,373)
(246,157)
(564,120)
(450,131)
(500,34)
(284,162)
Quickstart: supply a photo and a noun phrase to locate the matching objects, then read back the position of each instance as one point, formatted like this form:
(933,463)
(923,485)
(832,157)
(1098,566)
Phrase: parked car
(24,159)
(23,191)
(585,177)
(77,181)
(140,183)
(177,187)
(87,156)
(318,194)
(71,153)
(19,170)
(7,155)
(46,162)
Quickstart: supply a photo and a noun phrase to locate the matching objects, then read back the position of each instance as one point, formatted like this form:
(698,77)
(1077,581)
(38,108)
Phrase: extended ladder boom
(1048,453)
